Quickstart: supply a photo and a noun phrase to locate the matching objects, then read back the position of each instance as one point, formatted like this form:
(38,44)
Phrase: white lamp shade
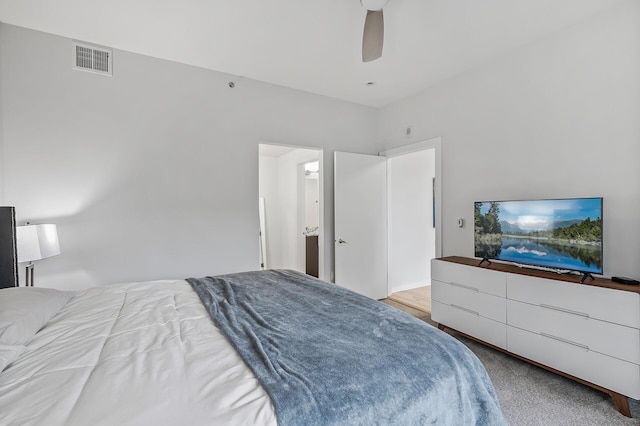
(37,242)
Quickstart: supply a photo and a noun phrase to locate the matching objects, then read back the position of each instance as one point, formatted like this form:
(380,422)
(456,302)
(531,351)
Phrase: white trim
(418,146)
(323,228)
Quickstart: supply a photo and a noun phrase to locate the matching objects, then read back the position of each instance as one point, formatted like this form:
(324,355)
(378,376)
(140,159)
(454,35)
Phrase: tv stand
(586,331)
(484,259)
(586,275)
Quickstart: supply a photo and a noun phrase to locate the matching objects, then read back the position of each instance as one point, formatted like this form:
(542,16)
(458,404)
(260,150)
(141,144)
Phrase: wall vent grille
(93,59)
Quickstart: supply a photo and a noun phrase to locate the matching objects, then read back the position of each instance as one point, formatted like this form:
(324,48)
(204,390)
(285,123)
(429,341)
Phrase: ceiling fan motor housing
(373,4)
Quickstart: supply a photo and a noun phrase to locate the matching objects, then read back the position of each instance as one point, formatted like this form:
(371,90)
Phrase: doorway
(290,185)
(417,298)
(411,226)
(409,231)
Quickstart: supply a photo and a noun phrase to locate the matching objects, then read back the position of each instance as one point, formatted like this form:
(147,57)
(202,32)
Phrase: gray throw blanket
(328,356)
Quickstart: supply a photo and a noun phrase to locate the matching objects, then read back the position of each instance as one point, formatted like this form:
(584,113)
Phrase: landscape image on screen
(560,234)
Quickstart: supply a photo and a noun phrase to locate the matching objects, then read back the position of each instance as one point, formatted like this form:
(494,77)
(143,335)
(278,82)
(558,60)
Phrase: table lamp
(36,242)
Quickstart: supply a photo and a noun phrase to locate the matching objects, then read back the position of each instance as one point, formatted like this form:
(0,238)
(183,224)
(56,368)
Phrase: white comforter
(139,354)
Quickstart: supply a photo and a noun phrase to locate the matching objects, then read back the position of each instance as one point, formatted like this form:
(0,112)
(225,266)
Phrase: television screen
(564,234)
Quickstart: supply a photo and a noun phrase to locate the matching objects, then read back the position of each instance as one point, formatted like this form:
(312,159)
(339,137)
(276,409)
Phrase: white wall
(559,118)
(268,188)
(290,184)
(280,184)
(151,173)
(311,199)
(412,236)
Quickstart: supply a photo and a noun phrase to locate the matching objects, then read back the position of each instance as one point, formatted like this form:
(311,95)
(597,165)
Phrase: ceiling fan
(373,36)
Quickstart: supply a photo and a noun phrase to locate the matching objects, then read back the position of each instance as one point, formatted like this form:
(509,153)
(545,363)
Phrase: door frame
(433,143)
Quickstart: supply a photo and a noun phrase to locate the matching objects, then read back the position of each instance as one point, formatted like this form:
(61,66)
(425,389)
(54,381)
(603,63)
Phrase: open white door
(360,191)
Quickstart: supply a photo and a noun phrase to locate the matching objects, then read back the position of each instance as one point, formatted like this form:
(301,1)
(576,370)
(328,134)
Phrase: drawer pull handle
(566,311)
(476,313)
(467,287)
(569,342)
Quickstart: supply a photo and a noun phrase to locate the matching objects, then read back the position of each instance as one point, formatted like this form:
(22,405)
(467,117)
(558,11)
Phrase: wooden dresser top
(514,269)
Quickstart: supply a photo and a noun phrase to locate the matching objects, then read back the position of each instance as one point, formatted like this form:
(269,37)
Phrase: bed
(253,348)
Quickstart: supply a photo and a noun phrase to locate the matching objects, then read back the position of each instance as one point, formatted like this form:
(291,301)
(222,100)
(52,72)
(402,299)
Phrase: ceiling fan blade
(373,36)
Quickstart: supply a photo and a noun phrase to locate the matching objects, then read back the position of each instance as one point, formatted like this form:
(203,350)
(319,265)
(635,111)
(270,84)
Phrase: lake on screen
(533,251)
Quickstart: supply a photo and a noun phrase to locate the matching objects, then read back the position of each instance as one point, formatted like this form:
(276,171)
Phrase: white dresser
(588,332)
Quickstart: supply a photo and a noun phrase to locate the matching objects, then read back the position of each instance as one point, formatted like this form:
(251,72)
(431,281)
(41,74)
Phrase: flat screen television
(564,235)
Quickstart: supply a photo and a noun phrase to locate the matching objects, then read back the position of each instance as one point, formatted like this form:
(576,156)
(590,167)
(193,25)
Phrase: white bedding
(137,353)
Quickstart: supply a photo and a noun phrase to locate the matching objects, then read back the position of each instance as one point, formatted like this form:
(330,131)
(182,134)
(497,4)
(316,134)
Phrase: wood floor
(418,298)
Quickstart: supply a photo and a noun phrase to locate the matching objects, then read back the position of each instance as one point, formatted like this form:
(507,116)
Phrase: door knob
(341,241)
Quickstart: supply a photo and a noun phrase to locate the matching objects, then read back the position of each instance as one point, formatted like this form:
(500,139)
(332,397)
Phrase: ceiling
(313,46)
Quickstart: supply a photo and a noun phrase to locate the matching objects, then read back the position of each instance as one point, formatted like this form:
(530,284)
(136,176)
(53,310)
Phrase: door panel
(360,193)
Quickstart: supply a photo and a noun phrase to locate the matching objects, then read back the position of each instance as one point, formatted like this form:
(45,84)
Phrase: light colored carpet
(530,395)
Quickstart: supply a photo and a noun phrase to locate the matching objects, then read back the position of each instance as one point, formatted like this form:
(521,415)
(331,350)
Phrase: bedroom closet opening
(411,227)
(291,208)
(387,216)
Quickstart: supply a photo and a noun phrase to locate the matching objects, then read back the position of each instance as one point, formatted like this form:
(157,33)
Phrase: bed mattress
(149,349)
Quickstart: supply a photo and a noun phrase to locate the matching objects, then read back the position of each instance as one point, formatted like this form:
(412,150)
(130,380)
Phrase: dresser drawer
(485,305)
(611,373)
(600,336)
(485,329)
(483,280)
(617,306)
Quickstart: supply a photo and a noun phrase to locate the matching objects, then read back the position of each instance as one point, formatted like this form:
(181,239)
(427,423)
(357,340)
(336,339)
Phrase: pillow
(25,310)
(8,354)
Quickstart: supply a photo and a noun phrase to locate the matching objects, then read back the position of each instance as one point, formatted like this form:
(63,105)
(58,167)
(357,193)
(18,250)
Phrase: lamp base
(28,275)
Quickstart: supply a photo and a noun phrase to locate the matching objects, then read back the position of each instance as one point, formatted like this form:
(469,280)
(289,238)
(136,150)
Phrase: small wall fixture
(36,242)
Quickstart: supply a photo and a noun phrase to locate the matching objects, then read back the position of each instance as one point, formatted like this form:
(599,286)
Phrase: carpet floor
(530,395)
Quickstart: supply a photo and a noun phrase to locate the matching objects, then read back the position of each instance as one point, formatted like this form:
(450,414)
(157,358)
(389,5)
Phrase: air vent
(91,58)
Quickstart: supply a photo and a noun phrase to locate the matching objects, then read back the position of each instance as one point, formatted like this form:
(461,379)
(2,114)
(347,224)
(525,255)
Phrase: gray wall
(151,173)
(559,118)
